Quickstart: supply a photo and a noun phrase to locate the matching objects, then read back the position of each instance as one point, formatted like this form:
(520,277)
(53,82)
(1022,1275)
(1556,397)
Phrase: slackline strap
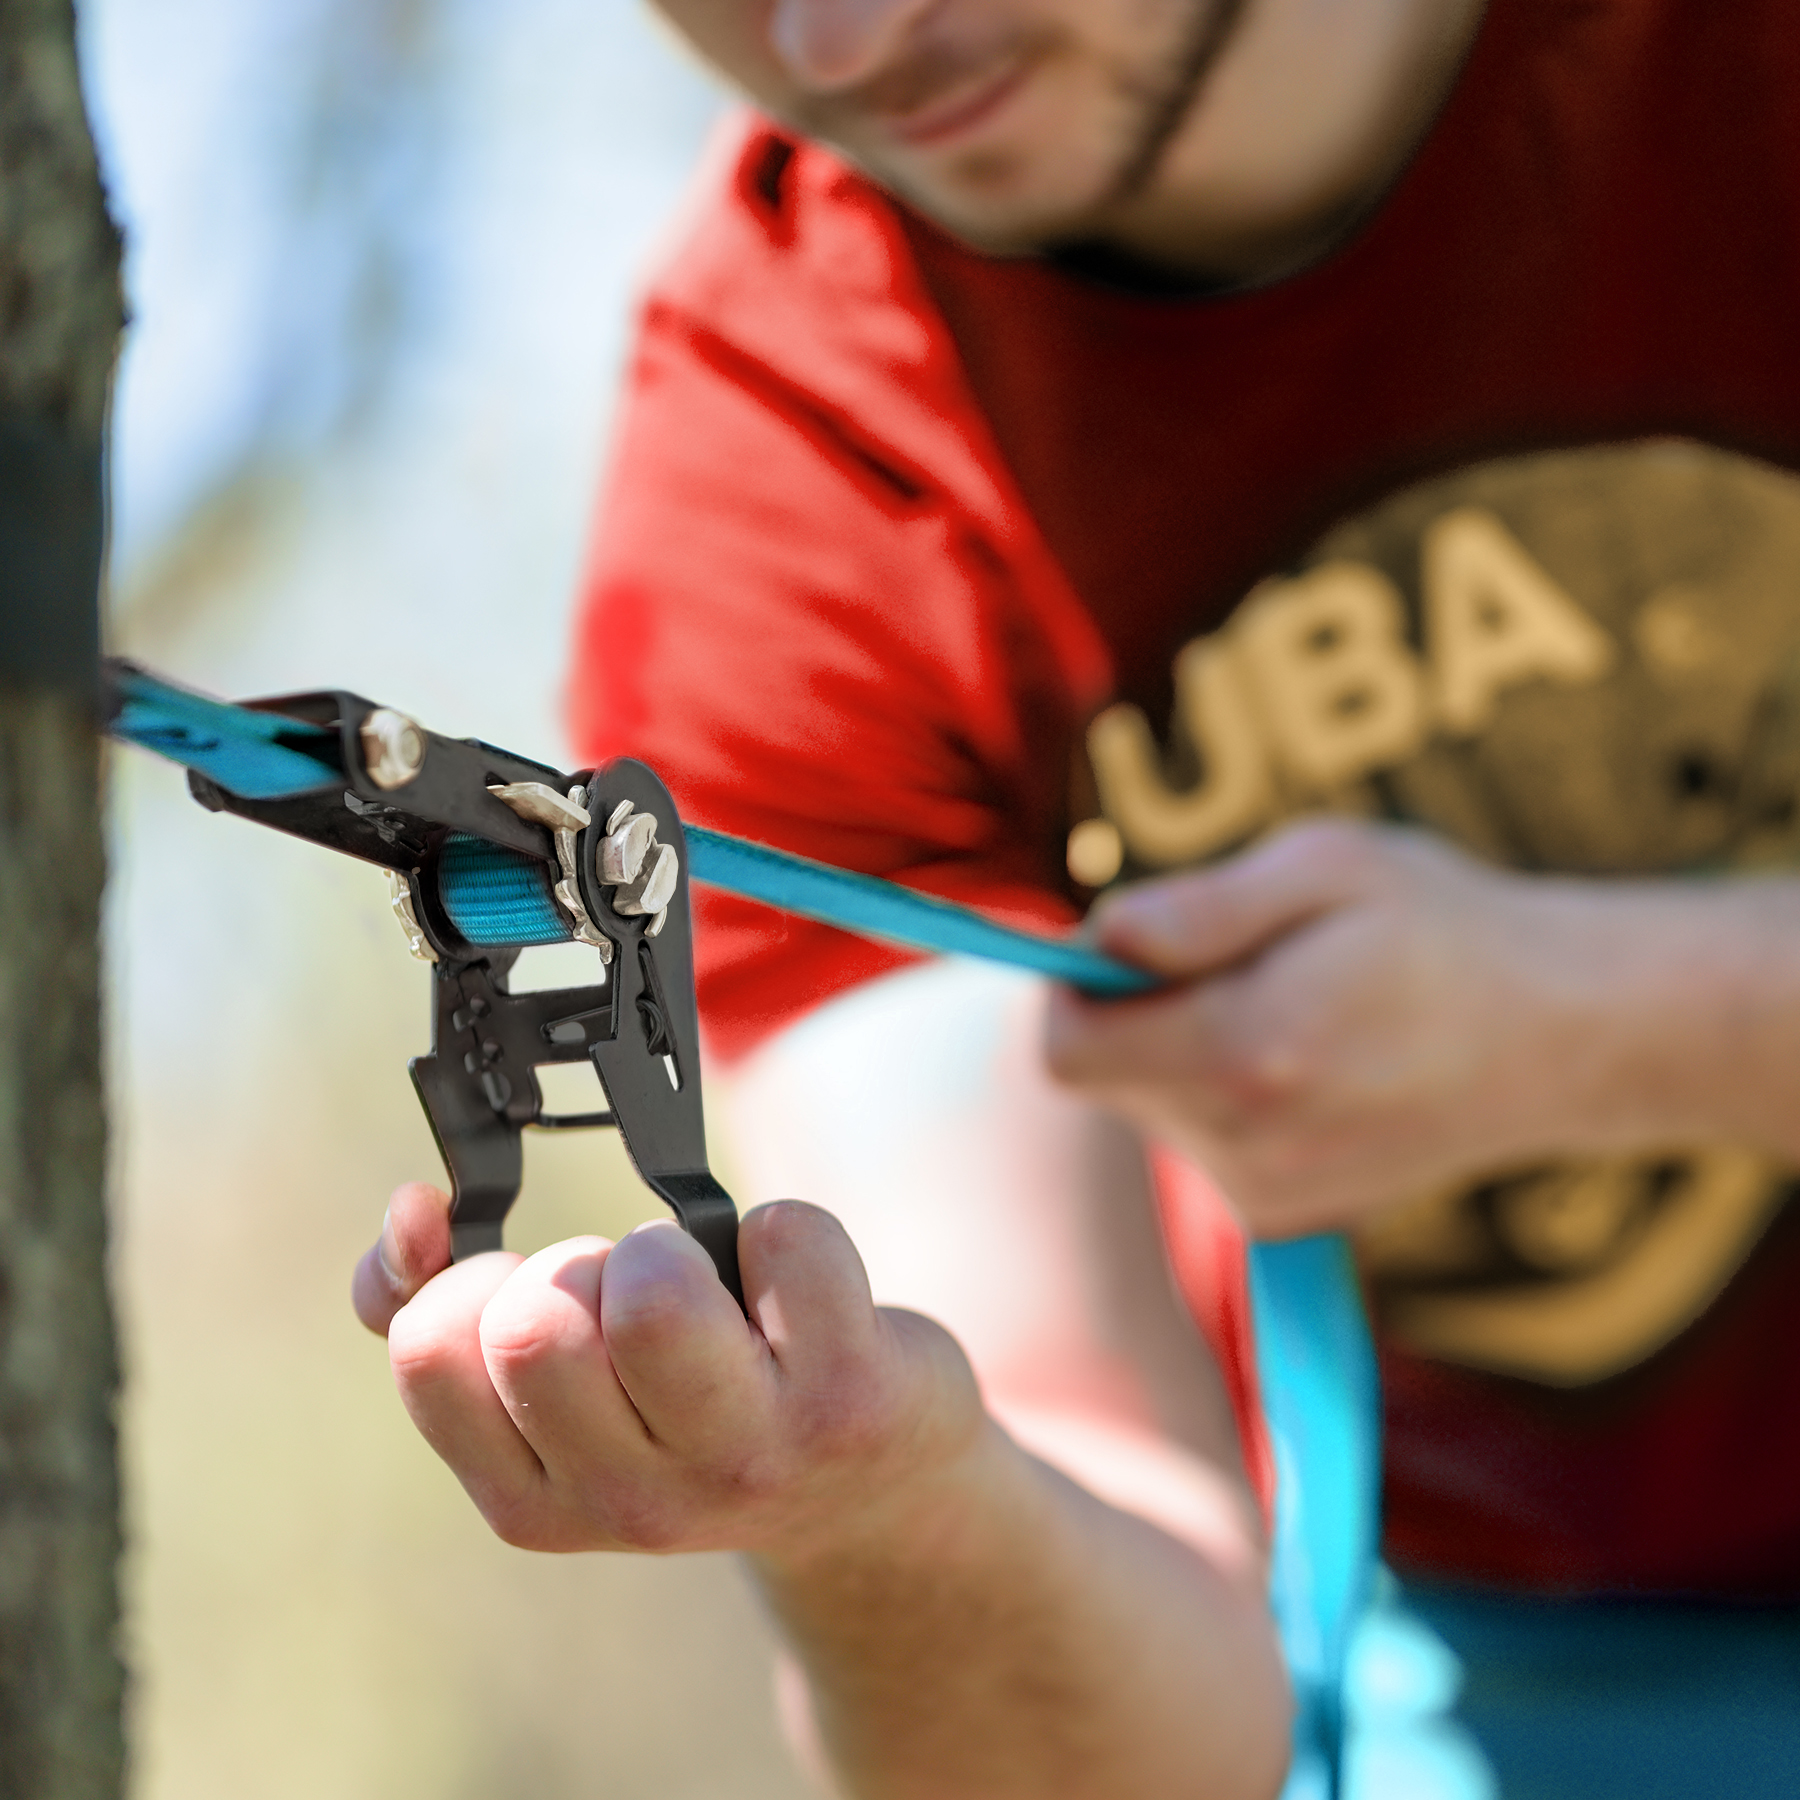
(1315,1363)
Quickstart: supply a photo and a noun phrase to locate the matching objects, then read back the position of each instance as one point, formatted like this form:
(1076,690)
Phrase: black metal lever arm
(479,1085)
(640,1028)
(650,1066)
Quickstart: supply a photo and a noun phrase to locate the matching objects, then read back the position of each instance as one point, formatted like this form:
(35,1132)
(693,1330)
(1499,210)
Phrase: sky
(351,222)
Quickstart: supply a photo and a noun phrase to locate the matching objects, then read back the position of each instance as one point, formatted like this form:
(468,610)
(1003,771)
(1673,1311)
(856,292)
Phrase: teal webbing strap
(881,909)
(496,896)
(1315,1362)
(256,755)
(1315,1366)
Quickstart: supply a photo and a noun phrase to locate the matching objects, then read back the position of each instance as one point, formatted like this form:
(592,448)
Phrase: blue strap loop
(1315,1365)
(496,896)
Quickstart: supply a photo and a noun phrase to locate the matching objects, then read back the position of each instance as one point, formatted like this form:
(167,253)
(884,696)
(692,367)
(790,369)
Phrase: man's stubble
(1153,96)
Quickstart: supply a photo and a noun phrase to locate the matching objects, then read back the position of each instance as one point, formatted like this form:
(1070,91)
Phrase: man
(1363,389)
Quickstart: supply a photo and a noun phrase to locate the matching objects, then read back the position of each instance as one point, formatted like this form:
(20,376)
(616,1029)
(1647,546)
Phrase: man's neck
(1310,114)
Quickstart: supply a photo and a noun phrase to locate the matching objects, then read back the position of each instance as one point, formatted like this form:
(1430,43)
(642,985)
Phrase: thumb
(1204,920)
(414,1246)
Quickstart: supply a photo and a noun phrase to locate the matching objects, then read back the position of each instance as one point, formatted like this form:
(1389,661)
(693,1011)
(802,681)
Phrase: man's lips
(969,105)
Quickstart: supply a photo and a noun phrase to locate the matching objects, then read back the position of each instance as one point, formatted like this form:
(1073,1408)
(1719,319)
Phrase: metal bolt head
(653,889)
(622,852)
(393,748)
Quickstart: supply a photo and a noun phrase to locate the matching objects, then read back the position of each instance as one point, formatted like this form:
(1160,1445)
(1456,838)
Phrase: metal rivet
(393,748)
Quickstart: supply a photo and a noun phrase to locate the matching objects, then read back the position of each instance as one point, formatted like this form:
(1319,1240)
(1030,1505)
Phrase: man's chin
(992,207)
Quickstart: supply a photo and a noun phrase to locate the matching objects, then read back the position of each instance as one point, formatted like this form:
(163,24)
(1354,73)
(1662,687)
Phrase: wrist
(1665,1009)
(937,1513)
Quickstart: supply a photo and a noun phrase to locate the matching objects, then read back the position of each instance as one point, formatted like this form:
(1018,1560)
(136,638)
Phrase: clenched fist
(602,1396)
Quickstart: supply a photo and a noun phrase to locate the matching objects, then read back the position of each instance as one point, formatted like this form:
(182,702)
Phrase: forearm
(1677,1008)
(1010,1635)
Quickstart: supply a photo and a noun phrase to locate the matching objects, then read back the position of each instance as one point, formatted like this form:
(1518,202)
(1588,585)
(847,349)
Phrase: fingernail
(387,1252)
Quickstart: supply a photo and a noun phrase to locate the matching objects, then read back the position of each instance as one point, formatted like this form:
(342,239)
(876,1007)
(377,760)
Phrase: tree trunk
(61,1681)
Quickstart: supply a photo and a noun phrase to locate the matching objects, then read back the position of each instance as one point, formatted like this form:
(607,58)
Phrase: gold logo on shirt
(1587,662)
(1567,1275)
(1314,685)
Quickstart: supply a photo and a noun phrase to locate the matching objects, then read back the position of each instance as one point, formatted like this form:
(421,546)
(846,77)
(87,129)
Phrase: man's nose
(828,44)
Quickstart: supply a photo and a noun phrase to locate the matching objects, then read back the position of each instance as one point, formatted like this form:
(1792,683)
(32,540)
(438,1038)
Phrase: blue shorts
(1460,1696)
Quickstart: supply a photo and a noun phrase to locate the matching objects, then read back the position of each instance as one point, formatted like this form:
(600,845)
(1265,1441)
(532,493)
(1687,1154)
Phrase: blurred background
(380,259)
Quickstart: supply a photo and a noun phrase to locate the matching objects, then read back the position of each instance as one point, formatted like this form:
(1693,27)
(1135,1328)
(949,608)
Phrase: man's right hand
(1361,1013)
(973,1624)
(612,1396)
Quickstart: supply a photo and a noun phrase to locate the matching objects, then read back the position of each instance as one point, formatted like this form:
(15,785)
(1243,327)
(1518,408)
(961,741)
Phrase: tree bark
(61,1680)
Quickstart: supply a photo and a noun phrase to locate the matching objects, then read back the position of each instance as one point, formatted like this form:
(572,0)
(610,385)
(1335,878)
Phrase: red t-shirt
(889,522)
